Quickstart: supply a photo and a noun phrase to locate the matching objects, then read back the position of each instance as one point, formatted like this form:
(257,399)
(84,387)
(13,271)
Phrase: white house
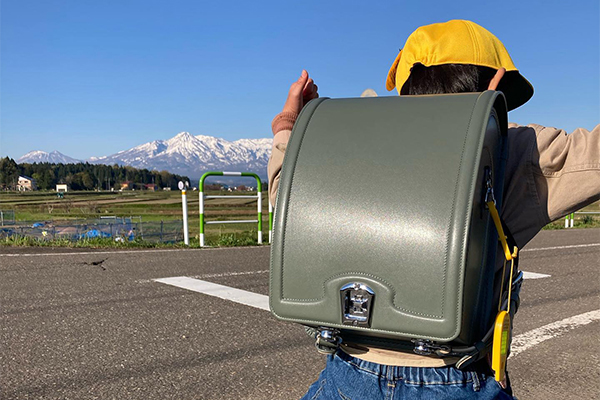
(26,183)
(62,187)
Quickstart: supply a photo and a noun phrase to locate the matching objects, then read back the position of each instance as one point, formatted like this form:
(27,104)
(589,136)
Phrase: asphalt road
(80,324)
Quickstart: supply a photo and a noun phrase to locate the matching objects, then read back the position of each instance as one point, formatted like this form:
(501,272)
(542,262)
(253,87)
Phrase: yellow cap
(459,42)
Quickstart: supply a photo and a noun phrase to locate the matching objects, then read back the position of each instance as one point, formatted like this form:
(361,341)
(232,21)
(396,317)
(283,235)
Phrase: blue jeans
(349,378)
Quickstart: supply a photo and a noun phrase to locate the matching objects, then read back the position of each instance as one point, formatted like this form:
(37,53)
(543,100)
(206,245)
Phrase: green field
(149,206)
(153,207)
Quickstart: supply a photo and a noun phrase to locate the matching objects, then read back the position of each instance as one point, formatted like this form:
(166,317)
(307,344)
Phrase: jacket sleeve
(276,161)
(549,174)
(282,129)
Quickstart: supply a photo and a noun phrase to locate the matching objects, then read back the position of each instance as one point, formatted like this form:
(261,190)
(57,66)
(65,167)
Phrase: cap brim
(390,82)
(516,89)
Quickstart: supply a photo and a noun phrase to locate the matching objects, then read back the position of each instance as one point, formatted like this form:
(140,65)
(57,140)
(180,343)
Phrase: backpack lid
(379,191)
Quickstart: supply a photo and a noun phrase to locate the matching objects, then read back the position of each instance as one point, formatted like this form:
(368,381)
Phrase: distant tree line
(84,176)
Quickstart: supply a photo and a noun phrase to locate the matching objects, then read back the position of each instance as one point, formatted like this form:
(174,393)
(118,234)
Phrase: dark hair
(447,78)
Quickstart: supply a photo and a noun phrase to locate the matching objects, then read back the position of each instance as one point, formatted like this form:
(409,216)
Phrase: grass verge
(587,221)
(225,240)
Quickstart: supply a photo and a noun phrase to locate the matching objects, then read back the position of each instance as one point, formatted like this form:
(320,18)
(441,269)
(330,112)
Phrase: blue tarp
(95,233)
(6,232)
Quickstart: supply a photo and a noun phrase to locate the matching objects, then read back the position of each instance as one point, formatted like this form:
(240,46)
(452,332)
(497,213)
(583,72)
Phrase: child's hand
(301,92)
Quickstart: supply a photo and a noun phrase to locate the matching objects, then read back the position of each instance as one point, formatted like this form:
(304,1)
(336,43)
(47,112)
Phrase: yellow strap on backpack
(500,345)
(502,325)
(501,236)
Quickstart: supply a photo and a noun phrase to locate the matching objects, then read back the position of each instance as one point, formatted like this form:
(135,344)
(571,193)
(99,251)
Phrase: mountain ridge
(39,156)
(183,154)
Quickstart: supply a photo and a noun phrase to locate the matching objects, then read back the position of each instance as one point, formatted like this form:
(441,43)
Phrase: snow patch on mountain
(55,157)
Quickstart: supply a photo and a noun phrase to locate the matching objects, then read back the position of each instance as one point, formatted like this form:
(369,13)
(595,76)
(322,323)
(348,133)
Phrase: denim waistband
(448,375)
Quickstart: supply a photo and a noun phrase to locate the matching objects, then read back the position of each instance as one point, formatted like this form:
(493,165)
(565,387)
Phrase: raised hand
(301,92)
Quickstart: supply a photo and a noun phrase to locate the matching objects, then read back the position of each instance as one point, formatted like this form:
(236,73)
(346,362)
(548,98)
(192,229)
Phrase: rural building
(26,183)
(62,188)
(126,185)
(151,186)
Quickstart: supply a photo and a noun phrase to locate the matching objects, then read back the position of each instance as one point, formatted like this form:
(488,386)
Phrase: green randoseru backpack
(381,232)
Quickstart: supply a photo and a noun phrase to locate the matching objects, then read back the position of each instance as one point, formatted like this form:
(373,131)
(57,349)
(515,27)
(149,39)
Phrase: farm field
(165,206)
(149,206)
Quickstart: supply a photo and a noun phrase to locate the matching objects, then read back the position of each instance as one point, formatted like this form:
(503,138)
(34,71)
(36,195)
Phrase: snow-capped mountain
(190,155)
(183,154)
(54,157)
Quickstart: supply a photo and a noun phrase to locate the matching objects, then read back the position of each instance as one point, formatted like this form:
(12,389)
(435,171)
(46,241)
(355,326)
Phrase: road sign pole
(183,186)
(186,236)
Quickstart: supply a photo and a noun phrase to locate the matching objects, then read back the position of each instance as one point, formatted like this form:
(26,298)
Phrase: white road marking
(572,246)
(220,291)
(527,340)
(520,343)
(226,274)
(534,275)
(218,275)
(196,284)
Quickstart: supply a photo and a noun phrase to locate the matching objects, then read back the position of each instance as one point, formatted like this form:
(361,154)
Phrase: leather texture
(388,192)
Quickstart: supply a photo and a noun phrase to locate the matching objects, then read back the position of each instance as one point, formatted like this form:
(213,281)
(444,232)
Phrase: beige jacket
(549,174)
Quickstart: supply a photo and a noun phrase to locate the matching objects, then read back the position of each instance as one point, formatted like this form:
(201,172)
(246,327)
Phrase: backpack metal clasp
(357,301)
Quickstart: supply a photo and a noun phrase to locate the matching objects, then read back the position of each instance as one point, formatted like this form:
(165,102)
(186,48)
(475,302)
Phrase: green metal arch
(223,173)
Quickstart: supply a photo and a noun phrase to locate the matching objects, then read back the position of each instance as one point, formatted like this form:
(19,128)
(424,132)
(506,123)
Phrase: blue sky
(90,78)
